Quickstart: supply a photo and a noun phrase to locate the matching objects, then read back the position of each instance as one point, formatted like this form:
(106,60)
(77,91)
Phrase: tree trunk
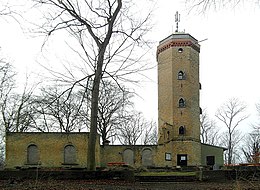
(91,157)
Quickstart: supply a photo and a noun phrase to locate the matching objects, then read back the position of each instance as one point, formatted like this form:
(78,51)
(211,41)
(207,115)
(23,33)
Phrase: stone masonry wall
(50,149)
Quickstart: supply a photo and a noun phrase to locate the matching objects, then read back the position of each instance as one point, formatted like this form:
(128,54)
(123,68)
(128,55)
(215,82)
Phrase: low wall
(222,175)
(125,175)
(128,175)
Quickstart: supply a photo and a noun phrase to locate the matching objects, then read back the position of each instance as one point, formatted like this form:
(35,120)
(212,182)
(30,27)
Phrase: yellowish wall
(50,146)
(114,153)
(51,149)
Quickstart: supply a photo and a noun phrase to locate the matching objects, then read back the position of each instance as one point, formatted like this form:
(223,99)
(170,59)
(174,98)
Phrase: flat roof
(179,35)
(214,146)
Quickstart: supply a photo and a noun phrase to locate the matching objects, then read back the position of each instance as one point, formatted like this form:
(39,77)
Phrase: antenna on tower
(177,20)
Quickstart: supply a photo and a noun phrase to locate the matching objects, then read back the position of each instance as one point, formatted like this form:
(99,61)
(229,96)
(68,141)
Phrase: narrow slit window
(181,103)
(181,130)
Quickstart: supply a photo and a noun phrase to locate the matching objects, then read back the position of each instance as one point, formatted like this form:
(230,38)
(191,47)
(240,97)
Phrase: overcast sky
(229,59)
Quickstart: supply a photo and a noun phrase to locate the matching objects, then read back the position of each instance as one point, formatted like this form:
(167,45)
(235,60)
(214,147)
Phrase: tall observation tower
(178,97)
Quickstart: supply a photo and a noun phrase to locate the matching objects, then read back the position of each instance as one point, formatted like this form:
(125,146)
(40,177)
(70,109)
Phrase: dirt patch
(113,184)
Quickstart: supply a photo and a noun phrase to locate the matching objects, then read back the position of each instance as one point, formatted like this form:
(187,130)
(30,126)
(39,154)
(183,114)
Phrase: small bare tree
(113,102)
(251,147)
(130,131)
(7,83)
(17,111)
(62,113)
(233,154)
(231,114)
(149,136)
(209,133)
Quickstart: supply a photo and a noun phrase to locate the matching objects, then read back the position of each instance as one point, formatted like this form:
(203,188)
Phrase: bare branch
(231,114)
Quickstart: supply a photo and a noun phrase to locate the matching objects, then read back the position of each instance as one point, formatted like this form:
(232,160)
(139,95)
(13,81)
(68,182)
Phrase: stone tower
(178,98)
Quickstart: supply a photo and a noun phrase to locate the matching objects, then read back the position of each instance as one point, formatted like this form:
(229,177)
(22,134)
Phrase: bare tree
(203,6)
(110,31)
(231,114)
(67,111)
(7,75)
(113,102)
(233,154)
(251,147)
(209,133)
(134,129)
(17,111)
(59,113)
(7,83)
(131,129)
(149,136)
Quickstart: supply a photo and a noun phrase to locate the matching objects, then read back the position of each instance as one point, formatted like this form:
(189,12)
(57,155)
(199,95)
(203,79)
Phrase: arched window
(147,157)
(128,156)
(181,103)
(181,75)
(181,130)
(70,154)
(32,154)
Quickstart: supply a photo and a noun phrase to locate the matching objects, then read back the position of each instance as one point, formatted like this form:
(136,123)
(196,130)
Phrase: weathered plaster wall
(208,150)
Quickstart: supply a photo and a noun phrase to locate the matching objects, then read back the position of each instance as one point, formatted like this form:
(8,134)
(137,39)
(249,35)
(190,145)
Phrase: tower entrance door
(182,159)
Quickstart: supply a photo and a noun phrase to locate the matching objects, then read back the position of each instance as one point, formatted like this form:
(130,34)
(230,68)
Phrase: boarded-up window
(147,159)
(128,156)
(32,154)
(69,154)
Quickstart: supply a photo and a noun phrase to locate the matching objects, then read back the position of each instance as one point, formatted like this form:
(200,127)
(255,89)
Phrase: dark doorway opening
(210,160)
(182,160)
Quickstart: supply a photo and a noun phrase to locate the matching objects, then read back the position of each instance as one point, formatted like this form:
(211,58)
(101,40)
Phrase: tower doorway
(182,160)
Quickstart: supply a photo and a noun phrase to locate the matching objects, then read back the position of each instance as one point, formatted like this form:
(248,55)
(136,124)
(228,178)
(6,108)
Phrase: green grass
(166,174)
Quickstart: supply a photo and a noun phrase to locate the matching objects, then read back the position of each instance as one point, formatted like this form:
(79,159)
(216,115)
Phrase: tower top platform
(179,35)
(178,39)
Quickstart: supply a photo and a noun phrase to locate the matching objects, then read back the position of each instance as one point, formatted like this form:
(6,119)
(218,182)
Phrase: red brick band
(177,44)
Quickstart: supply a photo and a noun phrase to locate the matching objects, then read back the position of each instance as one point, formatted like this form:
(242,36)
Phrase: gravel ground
(110,185)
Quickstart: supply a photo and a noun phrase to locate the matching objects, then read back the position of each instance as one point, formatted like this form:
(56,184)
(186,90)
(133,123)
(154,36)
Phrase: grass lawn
(166,174)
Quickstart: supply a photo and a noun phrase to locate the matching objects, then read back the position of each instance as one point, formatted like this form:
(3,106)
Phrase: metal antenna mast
(177,20)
